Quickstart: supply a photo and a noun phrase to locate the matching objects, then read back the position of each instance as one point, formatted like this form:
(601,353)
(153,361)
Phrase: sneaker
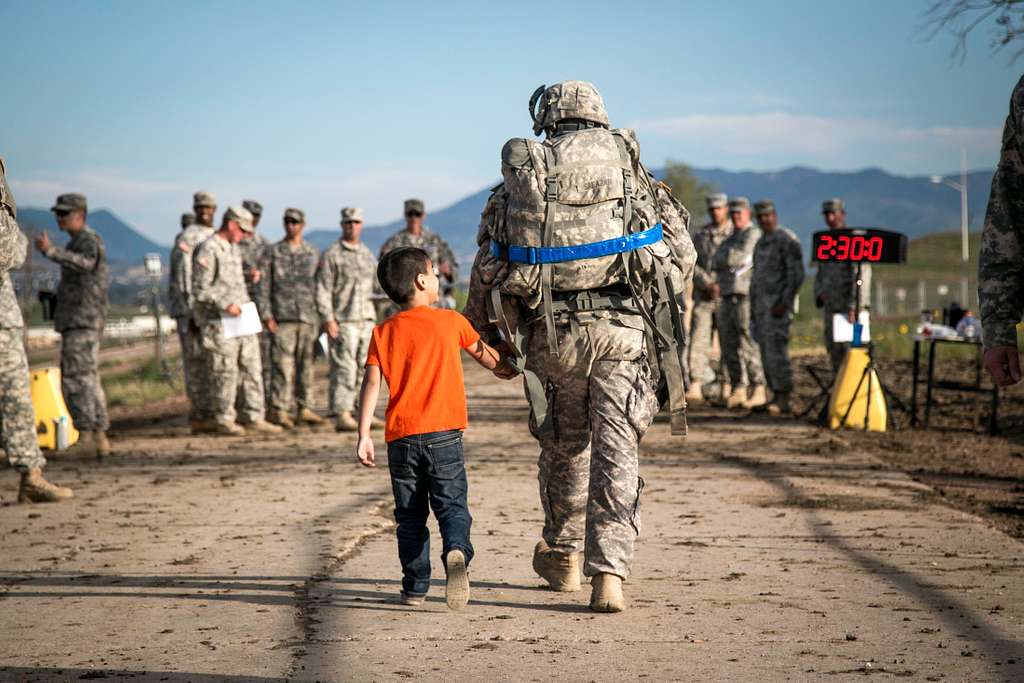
(456,591)
(411,600)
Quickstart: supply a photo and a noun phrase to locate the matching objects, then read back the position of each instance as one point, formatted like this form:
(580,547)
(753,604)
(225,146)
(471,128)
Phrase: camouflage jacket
(217,279)
(288,286)
(255,253)
(835,286)
(706,241)
(13,247)
(346,282)
(778,269)
(733,263)
(1001,260)
(180,285)
(82,293)
(428,241)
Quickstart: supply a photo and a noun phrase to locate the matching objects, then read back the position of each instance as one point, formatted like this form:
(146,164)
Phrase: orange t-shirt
(417,352)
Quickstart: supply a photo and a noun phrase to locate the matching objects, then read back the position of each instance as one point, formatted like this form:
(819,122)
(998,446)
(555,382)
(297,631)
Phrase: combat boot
(35,489)
(737,398)
(345,422)
(779,404)
(227,429)
(607,593)
(283,420)
(263,427)
(758,398)
(85,446)
(560,570)
(102,443)
(695,394)
(309,417)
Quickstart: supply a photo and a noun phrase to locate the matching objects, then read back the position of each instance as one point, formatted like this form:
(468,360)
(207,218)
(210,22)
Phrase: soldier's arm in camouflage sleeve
(205,288)
(819,285)
(794,271)
(265,289)
(476,304)
(325,288)
(1001,260)
(448,256)
(389,245)
(84,260)
(13,242)
(702,277)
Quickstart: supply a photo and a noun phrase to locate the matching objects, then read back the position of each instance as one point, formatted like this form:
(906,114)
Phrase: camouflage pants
(703,323)
(17,416)
(741,355)
(265,342)
(196,379)
(772,335)
(348,353)
(80,379)
(292,372)
(235,372)
(602,401)
(836,350)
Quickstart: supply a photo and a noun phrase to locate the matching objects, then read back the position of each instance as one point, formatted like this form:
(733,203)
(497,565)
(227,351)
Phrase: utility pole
(153,269)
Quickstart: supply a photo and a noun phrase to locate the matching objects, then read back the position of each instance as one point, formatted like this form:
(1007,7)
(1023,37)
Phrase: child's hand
(364,451)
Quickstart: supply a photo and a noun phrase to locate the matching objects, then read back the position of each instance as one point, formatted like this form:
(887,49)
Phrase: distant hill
(125,245)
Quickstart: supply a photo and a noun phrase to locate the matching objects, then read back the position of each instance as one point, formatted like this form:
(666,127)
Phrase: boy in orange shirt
(417,353)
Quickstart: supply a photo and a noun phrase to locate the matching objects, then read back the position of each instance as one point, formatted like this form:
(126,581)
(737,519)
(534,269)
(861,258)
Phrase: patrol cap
(764,206)
(187,219)
(414,205)
(351,214)
(295,215)
(70,202)
(204,199)
(834,205)
(718,200)
(738,204)
(240,215)
(253,207)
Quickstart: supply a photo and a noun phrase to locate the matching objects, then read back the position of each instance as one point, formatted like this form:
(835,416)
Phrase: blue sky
(327,104)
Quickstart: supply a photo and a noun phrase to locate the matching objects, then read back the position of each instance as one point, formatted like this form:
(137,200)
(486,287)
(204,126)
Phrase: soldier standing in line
(255,250)
(1001,261)
(416,234)
(197,230)
(835,285)
(346,281)
(733,267)
(17,415)
(704,320)
(778,274)
(290,316)
(218,291)
(80,316)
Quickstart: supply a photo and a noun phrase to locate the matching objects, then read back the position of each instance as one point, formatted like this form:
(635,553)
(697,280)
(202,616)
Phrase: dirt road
(771,550)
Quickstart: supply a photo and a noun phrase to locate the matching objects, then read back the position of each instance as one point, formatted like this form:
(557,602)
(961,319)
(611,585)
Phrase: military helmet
(566,100)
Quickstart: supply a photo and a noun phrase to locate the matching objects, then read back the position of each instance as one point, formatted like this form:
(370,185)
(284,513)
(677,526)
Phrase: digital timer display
(859,244)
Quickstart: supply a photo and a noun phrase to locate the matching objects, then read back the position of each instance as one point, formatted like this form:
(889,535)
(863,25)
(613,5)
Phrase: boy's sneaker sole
(411,600)
(456,592)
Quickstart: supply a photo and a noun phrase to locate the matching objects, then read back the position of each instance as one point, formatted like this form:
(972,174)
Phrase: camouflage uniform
(79,317)
(733,268)
(437,249)
(778,274)
(17,415)
(180,305)
(704,320)
(233,365)
(600,392)
(255,253)
(345,284)
(1001,262)
(290,291)
(835,290)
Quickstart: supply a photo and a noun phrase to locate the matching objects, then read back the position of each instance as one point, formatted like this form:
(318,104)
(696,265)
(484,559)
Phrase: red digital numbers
(874,251)
(826,248)
(850,248)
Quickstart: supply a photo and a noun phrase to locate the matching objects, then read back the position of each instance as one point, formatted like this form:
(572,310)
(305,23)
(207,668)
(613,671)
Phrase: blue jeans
(428,469)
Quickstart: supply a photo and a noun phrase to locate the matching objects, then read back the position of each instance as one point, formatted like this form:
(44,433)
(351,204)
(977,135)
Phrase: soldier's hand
(779,310)
(43,242)
(820,301)
(851,316)
(234,310)
(332,329)
(254,276)
(1003,364)
(364,451)
(505,370)
(272,326)
(714,291)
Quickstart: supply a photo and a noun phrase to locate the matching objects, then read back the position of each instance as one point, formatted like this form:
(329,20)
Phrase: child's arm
(484,354)
(367,402)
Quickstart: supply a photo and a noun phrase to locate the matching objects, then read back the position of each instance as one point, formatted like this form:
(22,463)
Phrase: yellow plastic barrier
(50,408)
(850,374)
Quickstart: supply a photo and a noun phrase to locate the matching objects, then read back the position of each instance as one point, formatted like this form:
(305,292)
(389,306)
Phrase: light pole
(960,187)
(153,269)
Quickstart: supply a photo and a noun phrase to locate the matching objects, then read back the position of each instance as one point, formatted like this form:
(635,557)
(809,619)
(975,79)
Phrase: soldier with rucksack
(582,257)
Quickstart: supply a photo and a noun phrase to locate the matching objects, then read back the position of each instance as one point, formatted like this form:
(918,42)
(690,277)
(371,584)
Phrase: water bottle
(63,430)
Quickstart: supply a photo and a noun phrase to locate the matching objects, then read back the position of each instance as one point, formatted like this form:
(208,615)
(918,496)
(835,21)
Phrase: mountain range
(909,204)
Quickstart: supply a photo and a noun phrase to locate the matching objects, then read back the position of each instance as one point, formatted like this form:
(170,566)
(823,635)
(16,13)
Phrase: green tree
(688,188)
